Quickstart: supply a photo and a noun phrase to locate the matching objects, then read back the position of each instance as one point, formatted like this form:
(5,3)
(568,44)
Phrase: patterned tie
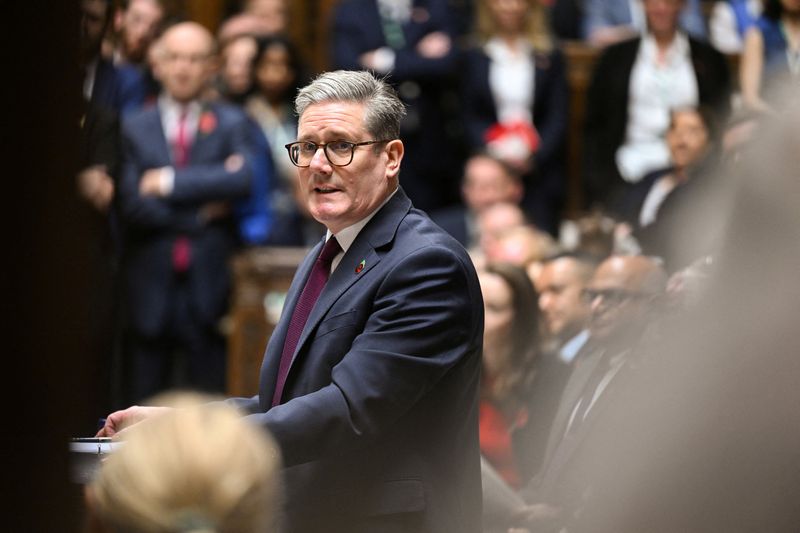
(181,248)
(316,281)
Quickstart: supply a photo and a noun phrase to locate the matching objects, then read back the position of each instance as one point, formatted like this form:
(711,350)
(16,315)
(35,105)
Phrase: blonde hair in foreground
(198,468)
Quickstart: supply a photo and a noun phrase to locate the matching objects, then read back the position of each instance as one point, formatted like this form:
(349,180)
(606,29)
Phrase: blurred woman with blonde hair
(197,468)
(515,97)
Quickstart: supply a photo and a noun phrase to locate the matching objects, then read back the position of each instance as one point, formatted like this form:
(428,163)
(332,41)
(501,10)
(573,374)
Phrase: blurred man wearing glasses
(369,382)
(623,293)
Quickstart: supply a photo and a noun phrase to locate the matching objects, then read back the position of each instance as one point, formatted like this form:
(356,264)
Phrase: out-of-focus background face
(185,62)
(498,303)
(274,73)
(564,308)
(688,138)
(138,26)
(662,15)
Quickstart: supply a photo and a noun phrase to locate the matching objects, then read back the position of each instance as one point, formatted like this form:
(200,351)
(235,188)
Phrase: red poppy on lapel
(207,122)
(360,266)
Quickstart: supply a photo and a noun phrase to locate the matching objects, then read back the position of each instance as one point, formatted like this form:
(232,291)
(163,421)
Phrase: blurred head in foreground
(197,468)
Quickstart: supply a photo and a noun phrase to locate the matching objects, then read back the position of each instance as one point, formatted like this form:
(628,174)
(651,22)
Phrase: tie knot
(329,251)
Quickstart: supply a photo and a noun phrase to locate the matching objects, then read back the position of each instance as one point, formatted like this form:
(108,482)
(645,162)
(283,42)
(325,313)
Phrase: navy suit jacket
(453,220)
(378,420)
(431,166)
(152,224)
(119,88)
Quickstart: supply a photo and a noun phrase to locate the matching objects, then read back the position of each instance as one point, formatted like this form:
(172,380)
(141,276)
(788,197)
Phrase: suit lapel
(165,152)
(376,234)
(206,126)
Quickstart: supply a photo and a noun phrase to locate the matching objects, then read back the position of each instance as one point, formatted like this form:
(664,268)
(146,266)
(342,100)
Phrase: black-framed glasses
(613,296)
(339,153)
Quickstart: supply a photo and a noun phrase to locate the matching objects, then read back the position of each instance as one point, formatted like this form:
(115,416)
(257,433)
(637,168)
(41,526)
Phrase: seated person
(607,22)
(634,86)
(692,141)
(671,204)
(197,468)
(510,348)
(729,22)
(524,246)
(487,181)
(771,54)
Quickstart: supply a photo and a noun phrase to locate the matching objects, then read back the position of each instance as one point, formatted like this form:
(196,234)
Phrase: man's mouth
(325,190)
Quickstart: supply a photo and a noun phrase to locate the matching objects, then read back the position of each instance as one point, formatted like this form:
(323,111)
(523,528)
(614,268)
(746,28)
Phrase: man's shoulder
(417,231)
(626,47)
(226,111)
(140,119)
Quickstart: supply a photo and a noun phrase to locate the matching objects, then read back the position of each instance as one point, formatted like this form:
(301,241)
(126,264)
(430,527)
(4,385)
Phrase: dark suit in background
(431,167)
(167,310)
(378,420)
(457,221)
(121,88)
(544,185)
(100,145)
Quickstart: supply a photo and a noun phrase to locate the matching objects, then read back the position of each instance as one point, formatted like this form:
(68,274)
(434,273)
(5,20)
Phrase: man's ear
(395,151)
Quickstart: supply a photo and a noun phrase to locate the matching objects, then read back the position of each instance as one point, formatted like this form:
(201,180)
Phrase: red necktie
(181,142)
(314,285)
(181,248)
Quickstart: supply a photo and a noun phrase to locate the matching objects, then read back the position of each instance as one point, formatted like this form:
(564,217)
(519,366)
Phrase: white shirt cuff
(167,179)
(384,60)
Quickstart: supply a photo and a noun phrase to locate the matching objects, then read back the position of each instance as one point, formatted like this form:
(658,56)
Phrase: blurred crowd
(577,309)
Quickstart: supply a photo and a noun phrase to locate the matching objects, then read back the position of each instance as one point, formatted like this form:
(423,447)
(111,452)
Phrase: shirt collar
(348,235)
(571,348)
(171,106)
(498,49)
(678,48)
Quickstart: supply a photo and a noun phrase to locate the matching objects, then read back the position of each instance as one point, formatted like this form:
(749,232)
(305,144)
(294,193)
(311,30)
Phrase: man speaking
(369,382)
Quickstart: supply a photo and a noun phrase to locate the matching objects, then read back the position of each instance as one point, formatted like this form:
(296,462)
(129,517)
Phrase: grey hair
(384,110)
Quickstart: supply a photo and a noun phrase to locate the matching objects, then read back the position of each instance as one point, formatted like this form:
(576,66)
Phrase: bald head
(185,60)
(622,292)
(632,273)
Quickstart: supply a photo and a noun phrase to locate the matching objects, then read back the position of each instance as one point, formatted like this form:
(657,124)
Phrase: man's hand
(120,420)
(96,186)
(435,45)
(151,183)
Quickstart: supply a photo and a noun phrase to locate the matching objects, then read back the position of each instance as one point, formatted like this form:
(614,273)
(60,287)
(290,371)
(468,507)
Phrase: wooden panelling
(261,278)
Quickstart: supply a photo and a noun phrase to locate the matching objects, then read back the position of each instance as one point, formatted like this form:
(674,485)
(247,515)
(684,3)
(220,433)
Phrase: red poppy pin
(207,122)
(360,266)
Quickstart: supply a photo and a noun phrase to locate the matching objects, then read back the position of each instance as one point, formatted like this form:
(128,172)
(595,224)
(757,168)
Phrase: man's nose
(319,162)
(544,301)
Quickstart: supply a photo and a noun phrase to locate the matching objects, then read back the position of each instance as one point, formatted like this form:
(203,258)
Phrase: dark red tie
(181,248)
(316,281)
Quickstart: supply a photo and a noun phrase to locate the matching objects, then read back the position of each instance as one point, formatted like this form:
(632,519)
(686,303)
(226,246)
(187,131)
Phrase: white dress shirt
(171,111)
(658,84)
(511,79)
